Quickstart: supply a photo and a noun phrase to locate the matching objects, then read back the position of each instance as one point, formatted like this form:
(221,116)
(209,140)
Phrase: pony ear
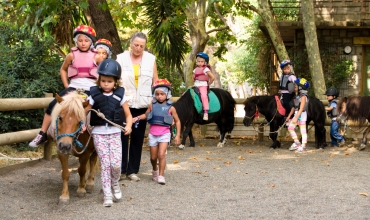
(58,98)
(85,103)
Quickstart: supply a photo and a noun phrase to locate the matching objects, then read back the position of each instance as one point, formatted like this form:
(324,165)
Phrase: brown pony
(356,108)
(68,117)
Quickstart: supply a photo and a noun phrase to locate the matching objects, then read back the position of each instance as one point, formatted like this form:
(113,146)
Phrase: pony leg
(90,179)
(185,135)
(364,139)
(273,135)
(191,138)
(64,198)
(222,140)
(81,192)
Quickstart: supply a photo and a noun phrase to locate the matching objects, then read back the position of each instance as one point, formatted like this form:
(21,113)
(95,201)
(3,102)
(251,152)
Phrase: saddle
(214,103)
(280,107)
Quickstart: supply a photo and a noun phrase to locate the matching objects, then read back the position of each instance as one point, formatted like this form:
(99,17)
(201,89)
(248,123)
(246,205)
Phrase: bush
(29,67)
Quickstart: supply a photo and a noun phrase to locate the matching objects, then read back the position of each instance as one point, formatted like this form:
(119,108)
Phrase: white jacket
(141,96)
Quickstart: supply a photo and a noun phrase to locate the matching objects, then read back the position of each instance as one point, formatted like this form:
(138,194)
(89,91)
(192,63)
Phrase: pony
(68,117)
(356,108)
(188,115)
(268,107)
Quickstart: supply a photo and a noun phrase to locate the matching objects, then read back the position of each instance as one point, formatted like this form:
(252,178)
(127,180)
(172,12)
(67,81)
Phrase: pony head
(251,110)
(67,117)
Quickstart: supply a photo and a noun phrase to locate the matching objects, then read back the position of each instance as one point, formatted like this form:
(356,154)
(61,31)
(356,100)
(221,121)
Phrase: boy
(286,85)
(332,111)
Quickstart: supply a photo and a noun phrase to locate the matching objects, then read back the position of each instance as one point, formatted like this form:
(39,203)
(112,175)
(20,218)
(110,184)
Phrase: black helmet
(332,91)
(204,56)
(110,67)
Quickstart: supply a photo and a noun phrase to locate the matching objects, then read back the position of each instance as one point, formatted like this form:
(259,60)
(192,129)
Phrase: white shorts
(155,140)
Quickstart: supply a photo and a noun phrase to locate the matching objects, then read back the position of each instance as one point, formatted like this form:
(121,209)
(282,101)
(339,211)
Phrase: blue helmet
(302,83)
(204,56)
(284,63)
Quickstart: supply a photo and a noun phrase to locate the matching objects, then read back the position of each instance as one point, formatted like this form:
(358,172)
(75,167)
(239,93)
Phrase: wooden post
(261,132)
(203,130)
(48,144)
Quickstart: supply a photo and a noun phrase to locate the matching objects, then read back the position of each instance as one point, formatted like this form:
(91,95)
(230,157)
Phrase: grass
(12,152)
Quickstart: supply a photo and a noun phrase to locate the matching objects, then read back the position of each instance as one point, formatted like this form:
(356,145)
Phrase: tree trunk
(313,51)
(105,27)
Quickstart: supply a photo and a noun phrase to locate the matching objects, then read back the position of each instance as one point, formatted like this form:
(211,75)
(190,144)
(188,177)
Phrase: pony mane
(72,102)
(357,108)
(182,107)
(253,99)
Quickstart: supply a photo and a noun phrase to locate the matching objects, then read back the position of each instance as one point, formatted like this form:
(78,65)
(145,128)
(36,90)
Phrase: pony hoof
(181,147)
(63,201)
(220,145)
(81,192)
(361,147)
(89,188)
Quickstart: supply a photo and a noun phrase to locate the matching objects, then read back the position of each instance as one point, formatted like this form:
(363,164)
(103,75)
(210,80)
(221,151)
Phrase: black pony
(356,108)
(266,105)
(188,115)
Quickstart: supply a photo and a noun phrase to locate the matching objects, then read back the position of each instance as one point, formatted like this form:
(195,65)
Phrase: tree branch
(219,14)
(218,29)
(250,7)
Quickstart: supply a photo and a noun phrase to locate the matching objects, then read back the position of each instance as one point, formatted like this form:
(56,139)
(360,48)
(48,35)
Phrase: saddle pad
(280,107)
(214,103)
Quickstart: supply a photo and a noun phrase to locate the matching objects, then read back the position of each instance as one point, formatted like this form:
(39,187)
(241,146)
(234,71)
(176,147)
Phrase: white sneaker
(205,117)
(116,191)
(39,139)
(161,180)
(133,177)
(294,146)
(108,200)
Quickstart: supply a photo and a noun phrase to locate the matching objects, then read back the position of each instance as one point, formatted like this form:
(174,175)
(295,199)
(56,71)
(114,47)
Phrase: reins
(268,122)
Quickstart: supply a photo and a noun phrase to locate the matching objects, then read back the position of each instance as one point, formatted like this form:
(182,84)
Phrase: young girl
(300,115)
(160,116)
(286,84)
(203,77)
(104,48)
(108,97)
(79,67)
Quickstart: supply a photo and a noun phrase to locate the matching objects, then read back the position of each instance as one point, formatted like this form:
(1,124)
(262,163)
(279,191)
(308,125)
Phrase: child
(203,77)
(160,116)
(286,85)
(104,48)
(332,111)
(80,67)
(300,115)
(108,97)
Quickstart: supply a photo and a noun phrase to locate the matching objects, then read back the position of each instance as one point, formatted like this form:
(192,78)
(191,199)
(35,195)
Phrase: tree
(313,51)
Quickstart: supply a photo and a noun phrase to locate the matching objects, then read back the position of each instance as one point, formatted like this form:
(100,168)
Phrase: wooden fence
(11,104)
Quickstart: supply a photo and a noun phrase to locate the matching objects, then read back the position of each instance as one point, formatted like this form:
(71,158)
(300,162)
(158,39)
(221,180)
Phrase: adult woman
(139,72)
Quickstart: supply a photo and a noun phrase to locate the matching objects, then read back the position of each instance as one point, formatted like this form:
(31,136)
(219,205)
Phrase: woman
(139,72)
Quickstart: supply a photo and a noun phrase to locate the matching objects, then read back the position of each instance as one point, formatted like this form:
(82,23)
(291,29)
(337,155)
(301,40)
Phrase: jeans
(334,134)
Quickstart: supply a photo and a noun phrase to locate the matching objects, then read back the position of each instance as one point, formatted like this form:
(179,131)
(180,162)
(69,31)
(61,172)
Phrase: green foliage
(286,10)
(28,69)
(172,75)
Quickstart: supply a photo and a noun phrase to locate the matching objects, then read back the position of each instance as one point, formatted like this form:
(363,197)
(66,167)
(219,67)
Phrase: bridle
(74,135)
(255,114)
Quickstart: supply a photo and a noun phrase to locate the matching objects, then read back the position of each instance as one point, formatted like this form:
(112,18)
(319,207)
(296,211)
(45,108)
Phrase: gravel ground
(244,180)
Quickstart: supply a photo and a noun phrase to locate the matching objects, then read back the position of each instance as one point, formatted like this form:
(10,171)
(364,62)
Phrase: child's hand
(177,139)
(294,120)
(83,128)
(135,120)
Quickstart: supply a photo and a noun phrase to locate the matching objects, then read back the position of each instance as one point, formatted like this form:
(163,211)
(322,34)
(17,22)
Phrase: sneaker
(108,200)
(155,175)
(294,146)
(123,176)
(342,143)
(39,139)
(117,195)
(133,177)
(161,180)
(205,117)
(301,150)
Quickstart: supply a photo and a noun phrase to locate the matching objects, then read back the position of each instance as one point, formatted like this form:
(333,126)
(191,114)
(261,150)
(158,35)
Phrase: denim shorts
(155,140)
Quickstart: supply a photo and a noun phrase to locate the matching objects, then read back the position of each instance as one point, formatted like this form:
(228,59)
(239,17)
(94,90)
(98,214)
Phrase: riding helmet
(302,83)
(86,30)
(284,63)
(161,83)
(204,56)
(110,67)
(332,91)
(105,44)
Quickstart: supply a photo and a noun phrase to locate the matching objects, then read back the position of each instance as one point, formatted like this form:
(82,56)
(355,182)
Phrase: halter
(74,135)
(255,114)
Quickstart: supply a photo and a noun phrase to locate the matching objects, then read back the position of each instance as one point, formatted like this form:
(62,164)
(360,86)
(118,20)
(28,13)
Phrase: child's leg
(334,132)
(154,157)
(115,155)
(204,96)
(303,129)
(102,148)
(162,157)
(292,132)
